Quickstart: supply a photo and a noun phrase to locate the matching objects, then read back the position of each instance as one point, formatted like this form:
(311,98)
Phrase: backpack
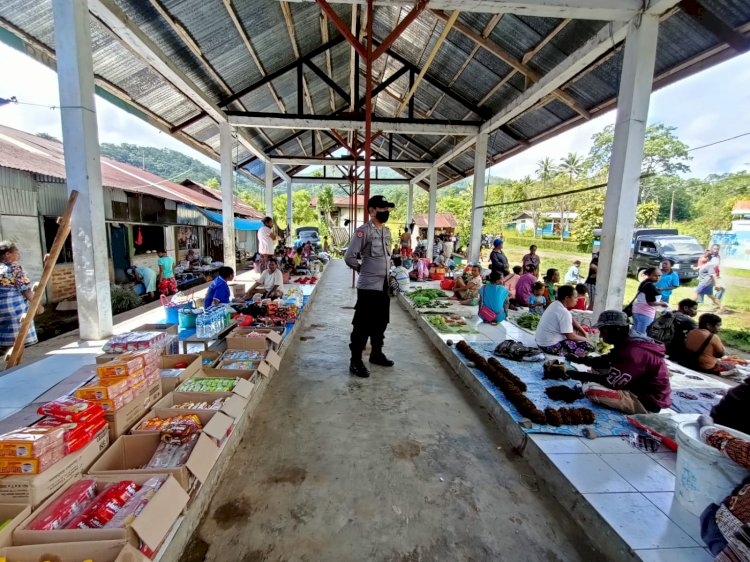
(663,328)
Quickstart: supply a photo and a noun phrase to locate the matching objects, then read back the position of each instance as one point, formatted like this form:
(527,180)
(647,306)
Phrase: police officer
(369,253)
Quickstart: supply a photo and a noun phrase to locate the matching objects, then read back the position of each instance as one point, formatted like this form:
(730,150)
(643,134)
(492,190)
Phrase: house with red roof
(144,212)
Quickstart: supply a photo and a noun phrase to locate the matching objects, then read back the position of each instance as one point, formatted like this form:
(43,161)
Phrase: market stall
(123,467)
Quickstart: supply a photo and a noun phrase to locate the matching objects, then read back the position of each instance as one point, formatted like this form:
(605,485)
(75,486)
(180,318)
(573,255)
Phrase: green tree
(213,183)
(590,217)
(646,214)
(302,213)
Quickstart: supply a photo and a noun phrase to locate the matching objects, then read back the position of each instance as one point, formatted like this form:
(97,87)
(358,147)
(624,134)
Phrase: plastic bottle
(200,323)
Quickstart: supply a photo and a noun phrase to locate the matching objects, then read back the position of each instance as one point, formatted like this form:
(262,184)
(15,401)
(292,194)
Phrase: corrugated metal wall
(18,193)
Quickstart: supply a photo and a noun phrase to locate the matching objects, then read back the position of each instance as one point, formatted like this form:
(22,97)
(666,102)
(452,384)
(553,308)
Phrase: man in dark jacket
(633,377)
(498,259)
(733,408)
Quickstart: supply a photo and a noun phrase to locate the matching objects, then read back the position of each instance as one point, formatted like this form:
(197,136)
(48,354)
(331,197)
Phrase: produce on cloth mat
(528,321)
(429,294)
(563,393)
(499,377)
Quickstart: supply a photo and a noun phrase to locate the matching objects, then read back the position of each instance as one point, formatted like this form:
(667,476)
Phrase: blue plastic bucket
(186,319)
(173,316)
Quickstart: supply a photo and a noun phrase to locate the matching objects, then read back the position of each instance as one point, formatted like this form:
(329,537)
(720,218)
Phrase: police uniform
(369,253)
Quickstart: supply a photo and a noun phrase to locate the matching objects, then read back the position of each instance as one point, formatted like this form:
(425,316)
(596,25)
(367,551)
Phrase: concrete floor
(404,466)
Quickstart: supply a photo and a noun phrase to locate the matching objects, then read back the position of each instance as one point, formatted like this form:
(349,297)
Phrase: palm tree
(573,166)
(545,171)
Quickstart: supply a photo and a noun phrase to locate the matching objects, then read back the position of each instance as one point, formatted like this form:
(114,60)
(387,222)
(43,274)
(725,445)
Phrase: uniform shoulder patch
(360,234)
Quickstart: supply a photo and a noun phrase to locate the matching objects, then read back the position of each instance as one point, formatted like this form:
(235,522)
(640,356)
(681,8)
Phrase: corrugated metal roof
(442,220)
(682,42)
(27,152)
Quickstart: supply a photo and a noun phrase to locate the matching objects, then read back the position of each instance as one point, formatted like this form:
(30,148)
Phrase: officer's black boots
(358,369)
(378,358)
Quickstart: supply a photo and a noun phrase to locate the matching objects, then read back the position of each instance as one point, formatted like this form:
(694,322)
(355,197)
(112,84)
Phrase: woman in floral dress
(15,294)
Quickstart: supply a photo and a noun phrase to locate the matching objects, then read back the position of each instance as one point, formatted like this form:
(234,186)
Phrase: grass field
(735,319)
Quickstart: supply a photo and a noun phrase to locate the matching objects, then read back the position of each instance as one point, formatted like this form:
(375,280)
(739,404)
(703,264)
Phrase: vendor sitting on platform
(192,258)
(703,347)
(218,291)
(557,333)
(633,377)
(467,290)
(270,285)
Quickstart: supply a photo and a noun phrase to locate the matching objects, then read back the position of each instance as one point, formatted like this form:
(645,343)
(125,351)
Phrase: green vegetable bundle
(429,294)
(528,321)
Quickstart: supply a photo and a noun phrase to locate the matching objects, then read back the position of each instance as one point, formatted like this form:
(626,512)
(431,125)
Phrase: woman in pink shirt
(511,281)
(525,284)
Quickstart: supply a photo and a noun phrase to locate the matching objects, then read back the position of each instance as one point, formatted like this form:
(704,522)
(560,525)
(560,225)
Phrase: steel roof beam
(291,161)
(325,180)
(109,14)
(601,10)
(572,66)
(329,81)
(349,123)
(483,112)
(383,85)
(510,60)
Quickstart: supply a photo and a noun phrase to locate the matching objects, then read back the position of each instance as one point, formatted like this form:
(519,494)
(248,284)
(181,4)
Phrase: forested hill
(167,163)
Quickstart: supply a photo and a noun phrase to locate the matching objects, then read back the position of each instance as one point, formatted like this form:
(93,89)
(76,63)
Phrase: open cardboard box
(212,355)
(14,513)
(168,384)
(152,525)
(234,405)
(244,386)
(33,489)
(120,421)
(215,423)
(132,451)
(239,339)
(99,551)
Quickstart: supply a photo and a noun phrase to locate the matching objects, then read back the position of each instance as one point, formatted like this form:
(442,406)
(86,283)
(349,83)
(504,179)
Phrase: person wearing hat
(633,377)
(369,254)
(498,259)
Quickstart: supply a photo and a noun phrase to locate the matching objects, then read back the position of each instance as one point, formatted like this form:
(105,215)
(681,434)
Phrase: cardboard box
(34,489)
(99,551)
(239,339)
(218,430)
(213,356)
(152,526)
(234,406)
(168,328)
(168,384)
(130,452)
(244,388)
(15,513)
(123,419)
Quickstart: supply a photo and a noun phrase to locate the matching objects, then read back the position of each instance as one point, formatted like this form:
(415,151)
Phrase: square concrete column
(268,195)
(625,164)
(432,212)
(75,77)
(410,204)
(477,198)
(289,213)
(227,195)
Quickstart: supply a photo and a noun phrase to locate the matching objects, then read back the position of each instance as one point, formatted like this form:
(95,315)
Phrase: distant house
(445,223)
(342,209)
(143,212)
(552,221)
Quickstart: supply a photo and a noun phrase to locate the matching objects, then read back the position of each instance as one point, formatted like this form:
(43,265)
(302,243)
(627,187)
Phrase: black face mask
(382,216)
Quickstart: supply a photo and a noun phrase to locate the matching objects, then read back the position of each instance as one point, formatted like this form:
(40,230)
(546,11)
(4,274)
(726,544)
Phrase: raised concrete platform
(621,497)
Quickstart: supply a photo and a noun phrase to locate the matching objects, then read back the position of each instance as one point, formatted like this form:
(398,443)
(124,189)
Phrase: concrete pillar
(268,196)
(625,163)
(75,76)
(227,195)
(477,198)
(431,213)
(290,226)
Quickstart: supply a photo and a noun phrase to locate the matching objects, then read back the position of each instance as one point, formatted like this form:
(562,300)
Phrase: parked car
(305,234)
(651,246)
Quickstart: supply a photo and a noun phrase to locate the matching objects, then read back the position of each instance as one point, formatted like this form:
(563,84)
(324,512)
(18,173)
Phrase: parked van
(651,246)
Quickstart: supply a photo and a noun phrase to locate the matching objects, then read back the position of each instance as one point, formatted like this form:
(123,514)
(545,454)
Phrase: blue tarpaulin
(239,224)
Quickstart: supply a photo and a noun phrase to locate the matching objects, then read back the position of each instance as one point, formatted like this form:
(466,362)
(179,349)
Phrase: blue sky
(706,107)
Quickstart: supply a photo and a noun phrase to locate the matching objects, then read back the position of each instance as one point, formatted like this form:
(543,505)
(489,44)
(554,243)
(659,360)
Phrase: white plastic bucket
(704,475)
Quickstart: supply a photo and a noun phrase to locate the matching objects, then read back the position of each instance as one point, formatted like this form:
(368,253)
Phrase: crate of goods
(140,509)
(100,551)
(31,450)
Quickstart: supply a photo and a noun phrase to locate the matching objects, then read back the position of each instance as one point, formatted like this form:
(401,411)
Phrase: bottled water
(200,325)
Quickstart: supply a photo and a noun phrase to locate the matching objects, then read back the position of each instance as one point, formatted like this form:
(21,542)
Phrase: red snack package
(180,428)
(84,439)
(69,408)
(104,507)
(67,506)
(133,508)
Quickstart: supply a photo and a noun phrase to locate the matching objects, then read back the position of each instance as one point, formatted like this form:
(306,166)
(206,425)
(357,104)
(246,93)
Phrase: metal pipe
(368,108)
